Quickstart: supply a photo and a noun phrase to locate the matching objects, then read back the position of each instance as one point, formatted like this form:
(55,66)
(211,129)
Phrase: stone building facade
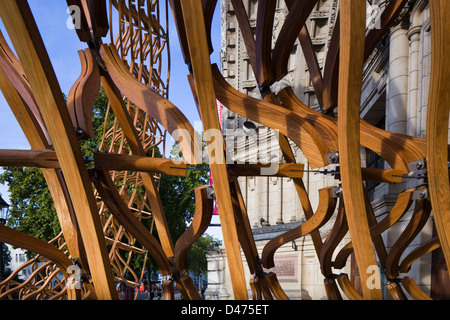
(394,97)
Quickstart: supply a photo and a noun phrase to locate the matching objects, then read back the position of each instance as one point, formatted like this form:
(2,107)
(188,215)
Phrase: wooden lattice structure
(99,227)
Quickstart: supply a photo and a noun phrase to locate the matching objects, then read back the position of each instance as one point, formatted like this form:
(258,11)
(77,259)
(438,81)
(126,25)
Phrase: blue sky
(62,46)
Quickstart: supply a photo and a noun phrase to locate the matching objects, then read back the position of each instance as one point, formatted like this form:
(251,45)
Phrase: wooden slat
(350,79)
(22,29)
(437,121)
(197,40)
(118,208)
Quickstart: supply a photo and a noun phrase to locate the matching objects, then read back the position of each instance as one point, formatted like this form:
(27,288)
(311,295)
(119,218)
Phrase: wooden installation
(105,204)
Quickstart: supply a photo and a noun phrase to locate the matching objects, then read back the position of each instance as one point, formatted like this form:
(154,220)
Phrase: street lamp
(4,210)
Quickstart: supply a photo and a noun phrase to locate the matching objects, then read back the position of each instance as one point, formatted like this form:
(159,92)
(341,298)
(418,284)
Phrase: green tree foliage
(31,206)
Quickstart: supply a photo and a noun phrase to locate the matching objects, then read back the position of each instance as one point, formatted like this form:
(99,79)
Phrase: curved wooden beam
(199,53)
(373,37)
(286,122)
(21,240)
(22,29)
(396,291)
(299,12)
(161,109)
(420,216)
(247,33)
(437,120)
(336,235)
(83,94)
(275,287)
(397,149)
(327,205)
(413,289)
(202,218)
(400,208)
(347,287)
(263,44)
(83,31)
(418,253)
(27,111)
(350,79)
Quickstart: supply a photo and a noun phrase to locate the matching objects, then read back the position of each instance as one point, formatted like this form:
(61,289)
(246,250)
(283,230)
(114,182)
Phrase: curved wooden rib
(161,109)
(331,68)
(197,41)
(263,47)
(167,290)
(246,31)
(22,29)
(327,205)
(347,287)
(313,64)
(350,79)
(397,149)
(109,194)
(402,205)
(332,289)
(288,123)
(202,218)
(83,31)
(336,235)
(413,289)
(24,241)
(420,216)
(275,287)
(83,94)
(418,253)
(396,291)
(26,111)
(298,14)
(187,288)
(437,120)
(373,37)
(38,139)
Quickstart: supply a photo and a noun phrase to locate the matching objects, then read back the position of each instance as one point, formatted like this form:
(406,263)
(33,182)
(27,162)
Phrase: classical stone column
(414,51)
(397,102)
